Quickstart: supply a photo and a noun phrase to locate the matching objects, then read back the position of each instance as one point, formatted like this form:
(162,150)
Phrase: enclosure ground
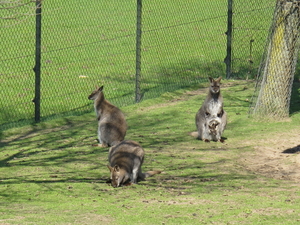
(278,157)
(52,172)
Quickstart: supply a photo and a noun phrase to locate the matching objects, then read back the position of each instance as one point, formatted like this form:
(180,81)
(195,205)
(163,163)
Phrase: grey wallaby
(112,125)
(211,119)
(125,162)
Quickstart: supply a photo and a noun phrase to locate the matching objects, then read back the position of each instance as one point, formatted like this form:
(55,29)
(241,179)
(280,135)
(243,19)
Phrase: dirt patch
(277,158)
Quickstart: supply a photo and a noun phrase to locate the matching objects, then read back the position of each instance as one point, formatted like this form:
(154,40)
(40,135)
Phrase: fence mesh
(276,73)
(88,43)
(16,62)
(251,22)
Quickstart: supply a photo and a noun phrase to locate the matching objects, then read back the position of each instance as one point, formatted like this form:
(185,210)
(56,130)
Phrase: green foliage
(51,173)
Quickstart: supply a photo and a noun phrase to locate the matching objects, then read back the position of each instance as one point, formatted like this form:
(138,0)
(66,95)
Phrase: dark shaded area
(23,122)
(295,97)
(292,150)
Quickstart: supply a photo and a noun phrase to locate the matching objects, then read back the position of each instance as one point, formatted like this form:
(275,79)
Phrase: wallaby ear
(100,88)
(110,168)
(211,79)
(219,79)
(116,168)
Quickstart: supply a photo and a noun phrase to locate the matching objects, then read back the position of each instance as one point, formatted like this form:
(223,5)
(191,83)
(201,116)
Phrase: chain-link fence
(88,43)
(276,73)
(251,22)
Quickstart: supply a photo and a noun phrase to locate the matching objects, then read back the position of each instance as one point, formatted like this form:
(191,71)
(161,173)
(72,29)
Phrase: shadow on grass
(60,143)
(19,121)
(59,156)
(294,150)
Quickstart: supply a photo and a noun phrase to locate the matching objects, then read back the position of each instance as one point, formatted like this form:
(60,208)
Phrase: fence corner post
(37,67)
(138,51)
(227,60)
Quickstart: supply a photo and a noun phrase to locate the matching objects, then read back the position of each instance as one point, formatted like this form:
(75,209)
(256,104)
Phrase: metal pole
(227,60)
(37,67)
(138,51)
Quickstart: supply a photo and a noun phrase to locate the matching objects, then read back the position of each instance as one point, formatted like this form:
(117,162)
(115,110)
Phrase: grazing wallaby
(211,119)
(125,162)
(112,125)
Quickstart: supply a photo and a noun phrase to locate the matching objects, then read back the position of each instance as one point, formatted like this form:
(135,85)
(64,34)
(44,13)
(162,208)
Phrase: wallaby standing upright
(211,119)
(125,162)
(112,125)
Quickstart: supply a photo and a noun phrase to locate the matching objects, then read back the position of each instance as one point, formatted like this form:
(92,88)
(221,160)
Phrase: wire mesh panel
(84,43)
(88,43)
(276,73)
(182,44)
(251,21)
(17,24)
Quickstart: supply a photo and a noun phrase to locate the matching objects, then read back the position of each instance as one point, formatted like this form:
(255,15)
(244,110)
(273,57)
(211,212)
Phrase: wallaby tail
(194,134)
(142,176)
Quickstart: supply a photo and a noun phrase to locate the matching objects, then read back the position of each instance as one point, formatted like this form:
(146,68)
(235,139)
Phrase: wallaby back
(211,119)
(125,161)
(112,125)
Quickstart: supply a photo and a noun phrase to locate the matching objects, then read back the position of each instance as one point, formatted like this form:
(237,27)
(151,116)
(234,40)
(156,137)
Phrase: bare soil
(277,158)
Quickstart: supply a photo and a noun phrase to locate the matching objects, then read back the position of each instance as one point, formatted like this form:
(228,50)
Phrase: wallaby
(211,119)
(125,162)
(112,125)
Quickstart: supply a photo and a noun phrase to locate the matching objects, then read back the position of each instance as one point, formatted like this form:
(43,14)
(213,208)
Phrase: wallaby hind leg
(200,131)
(134,175)
(224,122)
(101,137)
(136,170)
(205,135)
(223,126)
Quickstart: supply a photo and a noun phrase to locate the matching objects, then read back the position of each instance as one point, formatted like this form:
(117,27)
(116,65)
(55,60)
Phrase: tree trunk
(278,68)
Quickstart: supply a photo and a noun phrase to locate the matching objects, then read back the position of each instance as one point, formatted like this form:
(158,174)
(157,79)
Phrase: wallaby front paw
(128,184)
(104,145)
(100,145)
(206,140)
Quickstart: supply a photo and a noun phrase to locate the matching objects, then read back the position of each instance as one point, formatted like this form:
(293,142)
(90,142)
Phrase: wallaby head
(118,176)
(215,85)
(96,93)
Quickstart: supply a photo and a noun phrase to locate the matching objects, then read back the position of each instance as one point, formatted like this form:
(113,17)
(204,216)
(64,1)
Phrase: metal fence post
(37,67)
(138,51)
(227,60)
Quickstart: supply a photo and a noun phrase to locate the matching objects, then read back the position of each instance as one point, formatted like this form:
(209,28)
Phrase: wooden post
(227,60)
(138,51)
(37,67)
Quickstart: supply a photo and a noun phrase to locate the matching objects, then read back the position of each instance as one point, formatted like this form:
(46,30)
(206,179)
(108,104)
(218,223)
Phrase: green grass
(51,173)
(85,43)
